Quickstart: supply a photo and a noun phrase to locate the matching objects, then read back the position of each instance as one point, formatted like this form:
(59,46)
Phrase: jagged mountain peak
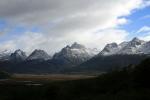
(75,54)
(67,46)
(110,49)
(18,55)
(75,48)
(5,54)
(38,50)
(136,41)
(19,51)
(132,47)
(135,46)
(38,54)
(76,45)
(5,51)
(112,45)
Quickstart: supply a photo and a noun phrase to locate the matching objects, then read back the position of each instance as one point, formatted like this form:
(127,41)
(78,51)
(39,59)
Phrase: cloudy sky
(52,24)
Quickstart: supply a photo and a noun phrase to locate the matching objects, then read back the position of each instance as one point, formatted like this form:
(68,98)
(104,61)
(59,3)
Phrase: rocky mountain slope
(18,56)
(39,55)
(135,46)
(74,54)
(4,55)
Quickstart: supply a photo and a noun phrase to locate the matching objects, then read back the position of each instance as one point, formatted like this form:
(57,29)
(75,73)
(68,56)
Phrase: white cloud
(30,41)
(9,45)
(122,21)
(145,33)
(146,3)
(93,22)
(146,37)
(144,29)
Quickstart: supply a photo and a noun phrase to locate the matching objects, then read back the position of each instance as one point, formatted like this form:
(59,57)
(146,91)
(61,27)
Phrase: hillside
(108,63)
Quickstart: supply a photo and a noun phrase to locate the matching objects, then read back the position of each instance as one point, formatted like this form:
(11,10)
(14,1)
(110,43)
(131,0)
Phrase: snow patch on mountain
(110,49)
(132,47)
(135,46)
(5,54)
(145,48)
(18,55)
(75,53)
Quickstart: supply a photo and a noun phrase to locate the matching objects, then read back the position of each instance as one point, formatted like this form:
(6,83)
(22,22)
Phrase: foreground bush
(4,75)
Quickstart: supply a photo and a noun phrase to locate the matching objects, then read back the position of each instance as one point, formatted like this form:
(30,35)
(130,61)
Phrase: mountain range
(76,57)
(135,46)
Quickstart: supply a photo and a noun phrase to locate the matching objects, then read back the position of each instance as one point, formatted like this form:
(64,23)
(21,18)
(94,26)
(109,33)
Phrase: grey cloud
(48,10)
(65,21)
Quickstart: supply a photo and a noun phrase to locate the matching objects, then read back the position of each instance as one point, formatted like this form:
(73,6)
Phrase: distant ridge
(76,58)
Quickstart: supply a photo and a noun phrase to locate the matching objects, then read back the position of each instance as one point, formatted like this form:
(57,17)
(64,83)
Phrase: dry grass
(49,77)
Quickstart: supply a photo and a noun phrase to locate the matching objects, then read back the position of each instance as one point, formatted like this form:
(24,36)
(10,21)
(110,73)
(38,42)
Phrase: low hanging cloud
(31,41)
(90,22)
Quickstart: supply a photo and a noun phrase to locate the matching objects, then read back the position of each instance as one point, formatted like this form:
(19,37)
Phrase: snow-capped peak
(135,39)
(19,52)
(135,42)
(112,45)
(18,55)
(75,45)
(5,54)
(110,49)
(38,55)
(135,46)
(132,47)
(75,53)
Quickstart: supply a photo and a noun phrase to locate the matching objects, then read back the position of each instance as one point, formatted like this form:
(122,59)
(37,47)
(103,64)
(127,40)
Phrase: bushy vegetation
(4,75)
(106,63)
(130,83)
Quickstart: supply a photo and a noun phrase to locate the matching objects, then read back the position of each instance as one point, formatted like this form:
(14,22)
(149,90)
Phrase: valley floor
(130,83)
(51,77)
